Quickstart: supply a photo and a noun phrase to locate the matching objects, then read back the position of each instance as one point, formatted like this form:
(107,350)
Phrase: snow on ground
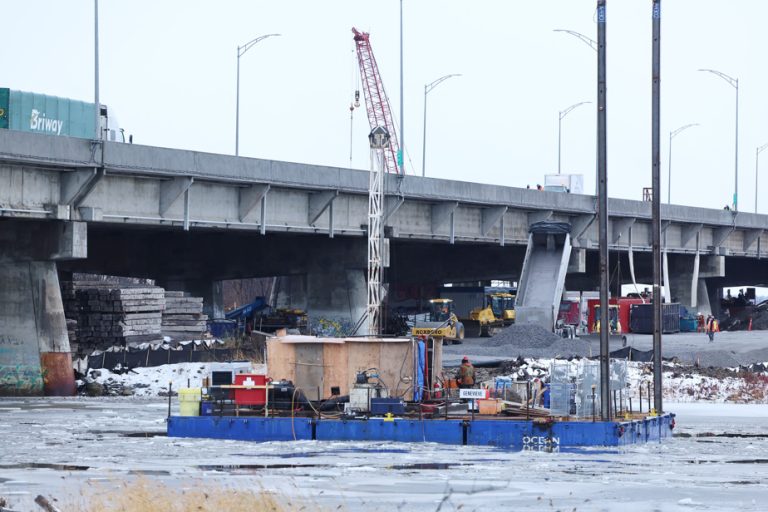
(680,384)
(690,387)
(154,381)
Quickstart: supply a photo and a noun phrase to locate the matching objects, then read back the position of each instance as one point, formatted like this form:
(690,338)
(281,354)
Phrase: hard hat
(465,358)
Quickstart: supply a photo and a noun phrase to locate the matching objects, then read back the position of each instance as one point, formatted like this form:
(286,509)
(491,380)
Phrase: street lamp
(757,163)
(733,82)
(427,88)
(586,40)
(672,135)
(564,113)
(592,44)
(240,52)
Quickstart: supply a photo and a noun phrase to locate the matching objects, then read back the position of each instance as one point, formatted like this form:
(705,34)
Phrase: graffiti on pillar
(331,327)
(7,340)
(20,379)
(19,374)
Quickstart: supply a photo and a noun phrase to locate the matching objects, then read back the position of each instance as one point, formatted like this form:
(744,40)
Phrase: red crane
(376,101)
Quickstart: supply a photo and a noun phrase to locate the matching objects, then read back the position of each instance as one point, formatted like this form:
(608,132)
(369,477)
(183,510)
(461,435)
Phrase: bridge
(190,220)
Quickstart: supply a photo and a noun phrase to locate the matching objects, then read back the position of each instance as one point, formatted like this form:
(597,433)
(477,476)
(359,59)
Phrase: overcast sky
(168,71)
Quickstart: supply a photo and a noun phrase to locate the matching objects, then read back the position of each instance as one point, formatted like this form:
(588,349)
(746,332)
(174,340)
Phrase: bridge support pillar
(688,278)
(35,357)
(292,292)
(333,290)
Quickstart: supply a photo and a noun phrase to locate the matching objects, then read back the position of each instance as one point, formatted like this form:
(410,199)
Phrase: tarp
(421,357)
(548,227)
(160,355)
(632,354)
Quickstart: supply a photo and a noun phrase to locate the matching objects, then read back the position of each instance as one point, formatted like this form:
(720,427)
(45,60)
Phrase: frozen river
(717,461)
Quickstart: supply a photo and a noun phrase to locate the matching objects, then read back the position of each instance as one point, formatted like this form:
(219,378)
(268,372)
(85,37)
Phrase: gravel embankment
(729,350)
(521,341)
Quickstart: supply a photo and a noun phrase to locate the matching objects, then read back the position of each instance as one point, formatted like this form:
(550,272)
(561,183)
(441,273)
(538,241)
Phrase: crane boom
(376,101)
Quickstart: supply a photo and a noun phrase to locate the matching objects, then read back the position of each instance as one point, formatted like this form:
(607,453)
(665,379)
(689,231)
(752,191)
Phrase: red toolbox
(254,396)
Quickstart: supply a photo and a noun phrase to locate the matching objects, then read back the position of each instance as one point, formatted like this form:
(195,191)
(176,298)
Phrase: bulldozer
(498,311)
(442,322)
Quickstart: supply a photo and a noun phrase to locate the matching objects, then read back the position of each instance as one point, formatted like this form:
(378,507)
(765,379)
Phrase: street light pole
(97,127)
(733,82)
(757,166)
(672,135)
(564,113)
(427,88)
(592,44)
(401,163)
(240,52)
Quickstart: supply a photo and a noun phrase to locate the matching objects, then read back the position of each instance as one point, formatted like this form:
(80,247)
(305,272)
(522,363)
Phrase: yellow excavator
(498,311)
(442,322)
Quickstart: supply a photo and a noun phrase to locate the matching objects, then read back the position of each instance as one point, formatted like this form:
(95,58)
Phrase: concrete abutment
(35,356)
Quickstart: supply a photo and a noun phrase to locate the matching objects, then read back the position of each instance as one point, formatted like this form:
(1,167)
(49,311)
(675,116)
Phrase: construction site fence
(148,357)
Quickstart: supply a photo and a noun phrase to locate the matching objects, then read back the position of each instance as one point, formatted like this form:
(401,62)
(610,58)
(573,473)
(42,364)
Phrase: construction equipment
(497,311)
(376,101)
(613,315)
(442,322)
(363,393)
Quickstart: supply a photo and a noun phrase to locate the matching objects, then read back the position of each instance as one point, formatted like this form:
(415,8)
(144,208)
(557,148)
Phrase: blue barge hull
(519,434)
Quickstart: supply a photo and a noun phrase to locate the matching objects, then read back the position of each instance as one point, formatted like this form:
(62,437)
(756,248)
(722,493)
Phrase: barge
(367,389)
(480,431)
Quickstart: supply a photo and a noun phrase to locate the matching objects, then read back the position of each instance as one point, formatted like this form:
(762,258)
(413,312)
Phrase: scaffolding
(575,389)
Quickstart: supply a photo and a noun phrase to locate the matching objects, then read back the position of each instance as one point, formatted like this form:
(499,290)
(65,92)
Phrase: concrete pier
(35,357)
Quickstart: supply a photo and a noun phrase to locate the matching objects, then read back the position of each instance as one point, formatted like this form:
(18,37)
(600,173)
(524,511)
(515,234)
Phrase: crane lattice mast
(376,101)
(379,141)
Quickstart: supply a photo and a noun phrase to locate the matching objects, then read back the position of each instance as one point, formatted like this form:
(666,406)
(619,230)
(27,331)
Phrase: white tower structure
(379,141)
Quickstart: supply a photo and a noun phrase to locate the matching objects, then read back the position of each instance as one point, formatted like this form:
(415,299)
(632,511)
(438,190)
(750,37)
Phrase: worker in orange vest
(466,374)
(711,327)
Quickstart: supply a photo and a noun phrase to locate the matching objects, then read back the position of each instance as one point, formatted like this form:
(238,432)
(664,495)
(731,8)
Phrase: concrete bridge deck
(191,219)
(48,177)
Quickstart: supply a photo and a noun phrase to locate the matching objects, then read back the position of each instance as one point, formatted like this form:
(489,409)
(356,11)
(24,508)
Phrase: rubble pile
(183,315)
(525,340)
(524,336)
(108,314)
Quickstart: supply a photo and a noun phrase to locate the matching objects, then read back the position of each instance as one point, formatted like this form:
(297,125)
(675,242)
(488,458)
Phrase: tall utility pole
(97,127)
(401,155)
(602,212)
(656,202)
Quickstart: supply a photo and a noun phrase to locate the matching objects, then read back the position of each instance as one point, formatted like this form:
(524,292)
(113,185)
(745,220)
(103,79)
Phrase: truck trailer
(53,115)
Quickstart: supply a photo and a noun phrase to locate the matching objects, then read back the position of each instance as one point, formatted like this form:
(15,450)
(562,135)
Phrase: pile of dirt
(521,340)
(523,336)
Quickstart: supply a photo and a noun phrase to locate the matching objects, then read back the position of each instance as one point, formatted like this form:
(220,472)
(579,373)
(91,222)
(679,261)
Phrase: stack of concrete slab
(71,311)
(111,314)
(183,316)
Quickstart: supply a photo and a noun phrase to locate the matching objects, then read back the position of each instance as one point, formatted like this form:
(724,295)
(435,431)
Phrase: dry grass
(143,495)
